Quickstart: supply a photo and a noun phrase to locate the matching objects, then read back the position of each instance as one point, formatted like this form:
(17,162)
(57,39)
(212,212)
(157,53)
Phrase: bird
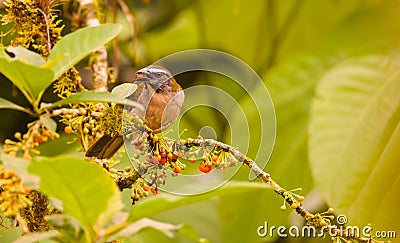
(162,98)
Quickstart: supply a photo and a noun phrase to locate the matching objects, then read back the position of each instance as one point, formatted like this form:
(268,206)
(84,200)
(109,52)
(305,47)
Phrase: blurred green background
(331,70)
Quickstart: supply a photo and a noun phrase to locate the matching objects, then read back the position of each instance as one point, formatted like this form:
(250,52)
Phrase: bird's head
(159,78)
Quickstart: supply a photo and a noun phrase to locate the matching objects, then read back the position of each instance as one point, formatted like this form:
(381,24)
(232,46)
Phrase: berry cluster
(156,155)
(12,193)
(37,133)
(82,119)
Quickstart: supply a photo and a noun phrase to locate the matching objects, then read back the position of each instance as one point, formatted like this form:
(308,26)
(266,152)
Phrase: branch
(99,65)
(157,147)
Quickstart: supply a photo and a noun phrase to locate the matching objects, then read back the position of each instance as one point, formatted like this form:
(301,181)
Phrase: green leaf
(355,140)
(91,96)
(69,228)
(6,104)
(30,79)
(76,45)
(37,237)
(124,90)
(26,56)
(66,145)
(83,187)
(167,229)
(166,202)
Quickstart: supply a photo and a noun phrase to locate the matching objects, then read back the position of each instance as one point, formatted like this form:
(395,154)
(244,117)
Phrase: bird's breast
(160,109)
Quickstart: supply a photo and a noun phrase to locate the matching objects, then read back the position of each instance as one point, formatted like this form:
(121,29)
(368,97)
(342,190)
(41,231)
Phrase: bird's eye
(158,74)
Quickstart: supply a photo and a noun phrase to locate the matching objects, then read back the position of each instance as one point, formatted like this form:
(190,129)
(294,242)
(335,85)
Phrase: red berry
(154,190)
(214,158)
(177,170)
(163,154)
(68,130)
(37,140)
(163,161)
(205,168)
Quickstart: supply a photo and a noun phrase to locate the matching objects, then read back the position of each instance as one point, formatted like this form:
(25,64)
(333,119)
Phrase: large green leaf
(29,78)
(84,188)
(204,211)
(75,46)
(25,55)
(355,140)
(169,230)
(6,104)
(166,202)
(90,96)
(37,237)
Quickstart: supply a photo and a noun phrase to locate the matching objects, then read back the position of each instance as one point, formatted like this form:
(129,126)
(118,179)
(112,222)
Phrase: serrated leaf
(91,96)
(355,140)
(76,45)
(6,104)
(25,55)
(84,188)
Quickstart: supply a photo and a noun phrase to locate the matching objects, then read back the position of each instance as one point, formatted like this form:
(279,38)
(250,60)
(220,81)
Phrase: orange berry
(154,190)
(192,160)
(177,170)
(163,154)
(68,130)
(294,206)
(214,158)
(27,190)
(146,188)
(158,157)
(155,139)
(205,168)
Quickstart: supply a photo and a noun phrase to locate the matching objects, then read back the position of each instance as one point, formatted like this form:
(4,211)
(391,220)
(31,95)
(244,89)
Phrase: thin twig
(46,19)
(100,63)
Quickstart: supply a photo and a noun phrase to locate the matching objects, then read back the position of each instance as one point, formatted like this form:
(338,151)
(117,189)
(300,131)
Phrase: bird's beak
(141,77)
